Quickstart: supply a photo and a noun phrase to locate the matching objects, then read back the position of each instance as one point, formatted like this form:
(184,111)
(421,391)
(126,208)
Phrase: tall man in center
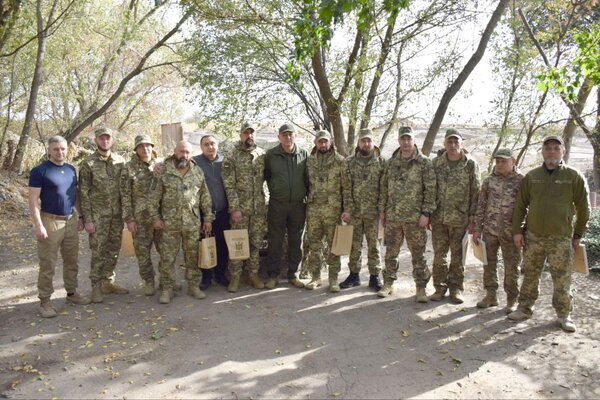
(243,177)
(285,173)
(329,200)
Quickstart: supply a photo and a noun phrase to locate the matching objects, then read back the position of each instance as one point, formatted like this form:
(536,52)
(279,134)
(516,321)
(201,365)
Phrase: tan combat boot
(97,296)
(195,292)
(234,283)
(76,298)
(386,290)
(511,305)
(46,309)
(271,283)
(490,300)
(165,296)
(334,286)
(109,287)
(314,283)
(149,289)
(255,281)
(422,296)
(438,295)
(456,296)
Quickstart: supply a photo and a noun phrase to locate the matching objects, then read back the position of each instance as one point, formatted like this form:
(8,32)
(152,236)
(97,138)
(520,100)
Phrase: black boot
(352,280)
(375,282)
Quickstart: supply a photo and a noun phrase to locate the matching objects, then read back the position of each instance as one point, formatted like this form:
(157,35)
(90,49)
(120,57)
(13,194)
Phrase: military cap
(555,138)
(405,131)
(247,125)
(503,153)
(142,139)
(287,128)
(365,133)
(322,134)
(102,131)
(453,133)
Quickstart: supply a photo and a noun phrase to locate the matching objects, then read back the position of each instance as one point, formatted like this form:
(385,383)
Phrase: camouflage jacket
(496,204)
(244,180)
(99,186)
(457,191)
(328,183)
(137,182)
(365,183)
(408,187)
(180,200)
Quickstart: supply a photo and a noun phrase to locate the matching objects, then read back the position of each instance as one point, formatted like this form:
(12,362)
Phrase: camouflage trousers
(558,253)
(416,240)
(317,228)
(368,227)
(143,239)
(105,245)
(257,227)
(512,259)
(444,238)
(168,247)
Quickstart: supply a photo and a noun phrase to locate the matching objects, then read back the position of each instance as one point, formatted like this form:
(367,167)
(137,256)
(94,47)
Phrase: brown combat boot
(46,309)
(76,298)
(490,299)
(511,305)
(438,295)
(255,281)
(422,295)
(109,287)
(234,283)
(195,292)
(456,296)
(97,296)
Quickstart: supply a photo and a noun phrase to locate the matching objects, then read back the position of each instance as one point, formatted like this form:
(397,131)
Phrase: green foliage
(592,238)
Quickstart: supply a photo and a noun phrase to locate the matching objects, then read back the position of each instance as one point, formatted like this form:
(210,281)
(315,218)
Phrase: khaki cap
(102,131)
(405,131)
(503,153)
(287,128)
(322,134)
(142,139)
(247,125)
(555,138)
(453,133)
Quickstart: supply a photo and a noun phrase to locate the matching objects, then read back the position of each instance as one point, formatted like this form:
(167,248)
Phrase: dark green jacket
(285,174)
(549,200)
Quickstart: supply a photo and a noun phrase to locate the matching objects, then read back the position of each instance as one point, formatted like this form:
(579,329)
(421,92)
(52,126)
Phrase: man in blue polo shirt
(53,207)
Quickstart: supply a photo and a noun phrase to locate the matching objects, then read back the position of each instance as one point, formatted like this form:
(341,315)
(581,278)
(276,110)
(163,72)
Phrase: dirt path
(286,343)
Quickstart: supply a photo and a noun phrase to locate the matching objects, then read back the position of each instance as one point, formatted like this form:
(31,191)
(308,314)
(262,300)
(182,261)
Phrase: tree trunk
(9,13)
(569,130)
(462,77)
(596,143)
(356,94)
(35,86)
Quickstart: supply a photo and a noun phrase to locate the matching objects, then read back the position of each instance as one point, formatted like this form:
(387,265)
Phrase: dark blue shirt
(58,185)
(214,180)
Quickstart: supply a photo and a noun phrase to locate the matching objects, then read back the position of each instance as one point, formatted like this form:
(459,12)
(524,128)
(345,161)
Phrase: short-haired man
(365,170)
(548,198)
(494,220)
(285,173)
(243,178)
(53,207)
(177,202)
(329,201)
(457,178)
(407,199)
(99,189)
(136,184)
(210,161)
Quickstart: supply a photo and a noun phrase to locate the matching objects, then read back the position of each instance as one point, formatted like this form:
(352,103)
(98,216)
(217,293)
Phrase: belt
(54,216)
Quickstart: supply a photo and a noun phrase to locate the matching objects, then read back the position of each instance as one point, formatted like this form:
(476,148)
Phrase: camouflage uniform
(457,191)
(365,185)
(179,200)
(100,199)
(244,185)
(493,218)
(407,192)
(328,195)
(137,182)
(549,201)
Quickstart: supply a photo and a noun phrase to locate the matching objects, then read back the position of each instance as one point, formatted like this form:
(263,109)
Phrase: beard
(365,153)
(323,151)
(181,163)
(249,143)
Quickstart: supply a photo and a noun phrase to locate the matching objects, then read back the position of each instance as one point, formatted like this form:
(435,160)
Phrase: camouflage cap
(102,131)
(287,128)
(142,139)
(555,138)
(365,133)
(247,125)
(322,134)
(503,153)
(405,131)
(453,133)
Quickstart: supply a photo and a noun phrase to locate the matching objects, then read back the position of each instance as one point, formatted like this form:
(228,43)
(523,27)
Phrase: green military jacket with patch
(365,183)
(180,200)
(99,186)
(328,183)
(285,174)
(137,181)
(243,179)
(550,200)
(457,191)
(408,187)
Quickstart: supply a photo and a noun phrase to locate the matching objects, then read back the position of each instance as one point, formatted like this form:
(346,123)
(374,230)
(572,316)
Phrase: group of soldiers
(171,203)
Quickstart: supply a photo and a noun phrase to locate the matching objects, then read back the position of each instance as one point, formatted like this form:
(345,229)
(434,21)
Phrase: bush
(592,239)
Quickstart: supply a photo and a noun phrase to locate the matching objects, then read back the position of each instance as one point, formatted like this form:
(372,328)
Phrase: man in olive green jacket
(548,198)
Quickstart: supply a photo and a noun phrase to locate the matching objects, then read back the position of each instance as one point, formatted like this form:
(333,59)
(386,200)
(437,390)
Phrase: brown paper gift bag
(342,240)
(207,253)
(237,244)
(580,261)
(127,244)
